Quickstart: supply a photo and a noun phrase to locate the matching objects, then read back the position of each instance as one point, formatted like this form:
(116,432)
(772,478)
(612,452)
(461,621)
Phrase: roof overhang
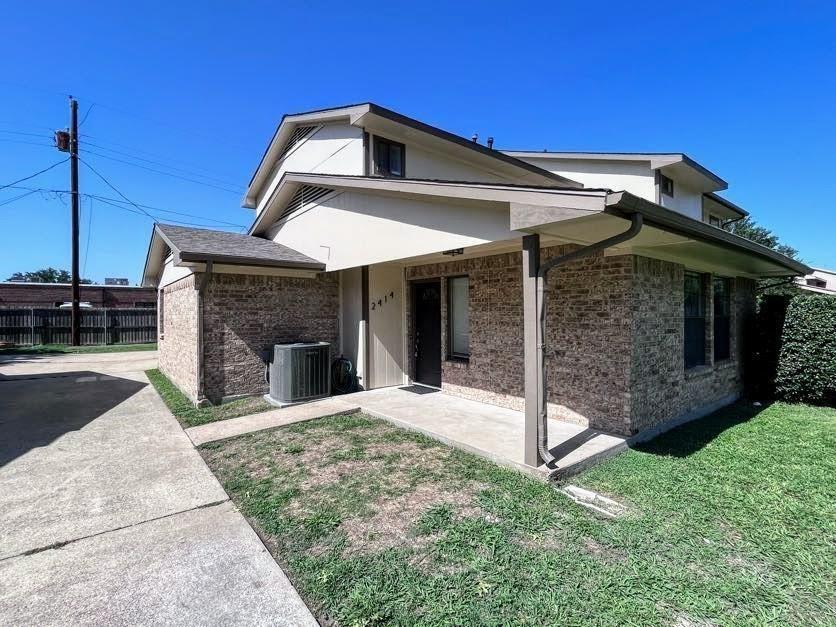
(666,235)
(723,208)
(161,246)
(678,164)
(381,120)
(482,193)
(571,215)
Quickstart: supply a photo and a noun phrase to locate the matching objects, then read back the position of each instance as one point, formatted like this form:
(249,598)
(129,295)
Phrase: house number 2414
(382,301)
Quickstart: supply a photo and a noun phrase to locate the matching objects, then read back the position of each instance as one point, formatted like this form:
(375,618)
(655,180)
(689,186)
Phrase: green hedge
(807,363)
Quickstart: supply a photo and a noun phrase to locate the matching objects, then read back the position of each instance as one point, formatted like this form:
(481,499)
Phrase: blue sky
(746,89)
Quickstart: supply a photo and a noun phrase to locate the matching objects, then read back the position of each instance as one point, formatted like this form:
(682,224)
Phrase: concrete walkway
(223,429)
(487,430)
(107,513)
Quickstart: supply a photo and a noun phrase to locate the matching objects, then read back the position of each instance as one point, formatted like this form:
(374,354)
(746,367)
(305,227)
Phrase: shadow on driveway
(36,410)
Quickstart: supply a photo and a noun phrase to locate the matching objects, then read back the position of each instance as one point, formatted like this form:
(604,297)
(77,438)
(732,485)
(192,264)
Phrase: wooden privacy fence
(98,326)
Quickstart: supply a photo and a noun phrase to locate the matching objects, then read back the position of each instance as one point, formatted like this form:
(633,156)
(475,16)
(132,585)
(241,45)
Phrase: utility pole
(76,314)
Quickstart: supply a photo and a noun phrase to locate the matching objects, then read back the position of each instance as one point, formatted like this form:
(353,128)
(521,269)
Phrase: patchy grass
(59,349)
(189,415)
(732,521)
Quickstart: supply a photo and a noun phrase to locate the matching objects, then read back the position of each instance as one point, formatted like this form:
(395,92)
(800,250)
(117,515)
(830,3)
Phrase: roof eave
(673,222)
(236,260)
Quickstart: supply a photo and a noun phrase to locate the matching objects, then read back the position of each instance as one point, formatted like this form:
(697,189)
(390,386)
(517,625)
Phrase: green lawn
(732,521)
(57,349)
(189,415)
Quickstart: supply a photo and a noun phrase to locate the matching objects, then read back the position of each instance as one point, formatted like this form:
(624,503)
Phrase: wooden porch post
(530,266)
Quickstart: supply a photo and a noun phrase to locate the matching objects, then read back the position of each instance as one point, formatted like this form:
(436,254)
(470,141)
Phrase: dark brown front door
(426,297)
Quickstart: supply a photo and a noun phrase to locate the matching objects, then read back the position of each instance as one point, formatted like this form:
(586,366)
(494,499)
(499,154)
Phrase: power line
(31,176)
(89,109)
(32,190)
(24,141)
(160,163)
(180,222)
(111,186)
(41,135)
(134,150)
(176,176)
(171,211)
(89,231)
(11,200)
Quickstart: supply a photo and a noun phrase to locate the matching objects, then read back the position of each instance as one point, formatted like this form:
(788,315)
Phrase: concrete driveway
(108,515)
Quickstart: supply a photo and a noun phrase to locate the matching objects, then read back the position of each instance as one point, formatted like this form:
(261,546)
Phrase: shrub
(807,364)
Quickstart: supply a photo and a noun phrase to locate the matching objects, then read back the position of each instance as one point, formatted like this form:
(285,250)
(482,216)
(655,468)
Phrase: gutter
(202,401)
(619,203)
(636,221)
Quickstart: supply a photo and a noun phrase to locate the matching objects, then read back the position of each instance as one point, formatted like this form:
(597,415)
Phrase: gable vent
(300,133)
(305,195)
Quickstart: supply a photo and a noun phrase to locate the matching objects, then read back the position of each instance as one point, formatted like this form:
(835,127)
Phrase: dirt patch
(392,524)
(604,553)
(547,540)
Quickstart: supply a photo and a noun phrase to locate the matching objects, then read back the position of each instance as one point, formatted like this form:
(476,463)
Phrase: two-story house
(595,288)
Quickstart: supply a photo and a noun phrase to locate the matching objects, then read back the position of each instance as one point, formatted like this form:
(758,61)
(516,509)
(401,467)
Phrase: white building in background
(821,281)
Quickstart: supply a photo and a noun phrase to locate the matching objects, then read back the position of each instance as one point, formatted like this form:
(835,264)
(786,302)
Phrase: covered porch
(489,431)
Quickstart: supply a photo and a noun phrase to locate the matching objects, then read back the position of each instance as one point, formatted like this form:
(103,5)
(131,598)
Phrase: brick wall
(177,346)
(587,317)
(244,315)
(48,294)
(661,386)
(614,339)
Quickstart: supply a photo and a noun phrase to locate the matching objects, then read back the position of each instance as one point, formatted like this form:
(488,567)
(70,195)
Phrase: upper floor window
(666,185)
(816,282)
(458,317)
(694,336)
(389,157)
(722,318)
(714,221)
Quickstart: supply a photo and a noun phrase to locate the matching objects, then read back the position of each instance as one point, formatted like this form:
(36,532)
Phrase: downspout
(732,221)
(201,289)
(636,221)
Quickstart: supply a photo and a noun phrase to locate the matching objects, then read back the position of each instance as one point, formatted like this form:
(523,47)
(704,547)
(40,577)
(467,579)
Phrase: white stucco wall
(424,164)
(333,149)
(686,200)
(354,229)
(172,273)
(634,177)
(353,329)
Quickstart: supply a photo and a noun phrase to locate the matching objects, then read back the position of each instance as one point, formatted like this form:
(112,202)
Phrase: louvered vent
(300,133)
(305,195)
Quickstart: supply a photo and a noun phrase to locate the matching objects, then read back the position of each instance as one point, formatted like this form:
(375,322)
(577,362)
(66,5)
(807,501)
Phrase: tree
(751,230)
(46,275)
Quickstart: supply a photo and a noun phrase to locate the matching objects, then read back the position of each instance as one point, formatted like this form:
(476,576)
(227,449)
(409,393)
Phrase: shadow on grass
(693,436)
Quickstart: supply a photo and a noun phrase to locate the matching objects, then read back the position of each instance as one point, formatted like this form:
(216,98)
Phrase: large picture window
(458,317)
(389,158)
(722,313)
(694,320)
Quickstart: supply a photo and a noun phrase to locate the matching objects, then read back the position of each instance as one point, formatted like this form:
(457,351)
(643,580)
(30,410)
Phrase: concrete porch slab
(486,430)
(224,429)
